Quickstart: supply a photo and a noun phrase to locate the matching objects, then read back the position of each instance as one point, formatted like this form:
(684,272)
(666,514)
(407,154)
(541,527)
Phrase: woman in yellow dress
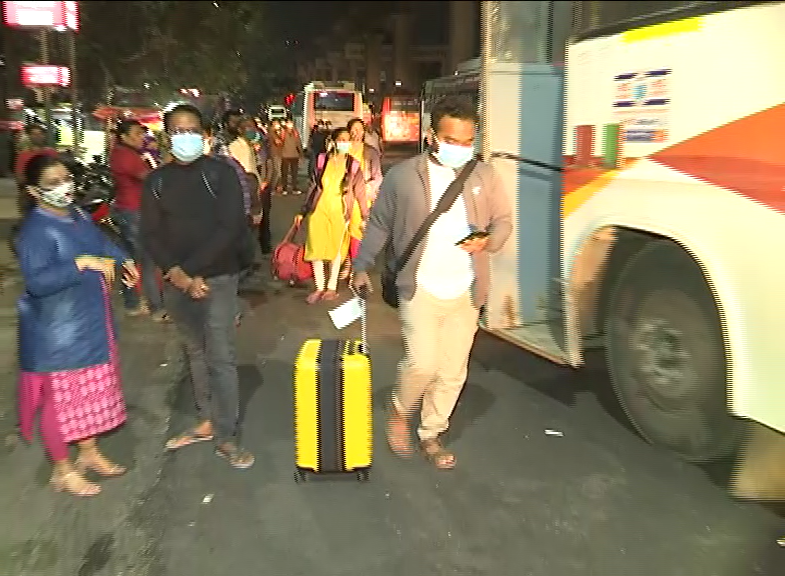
(337,185)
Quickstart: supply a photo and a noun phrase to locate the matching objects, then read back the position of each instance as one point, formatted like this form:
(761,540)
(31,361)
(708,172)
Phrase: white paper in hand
(347,313)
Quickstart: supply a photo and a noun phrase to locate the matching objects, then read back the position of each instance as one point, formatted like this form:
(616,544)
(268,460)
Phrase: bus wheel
(666,356)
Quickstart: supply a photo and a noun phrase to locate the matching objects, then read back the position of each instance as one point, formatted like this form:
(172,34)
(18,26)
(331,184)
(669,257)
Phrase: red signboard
(57,15)
(37,75)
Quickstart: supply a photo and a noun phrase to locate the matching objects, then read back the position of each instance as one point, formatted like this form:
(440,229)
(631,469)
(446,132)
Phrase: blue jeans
(209,334)
(128,222)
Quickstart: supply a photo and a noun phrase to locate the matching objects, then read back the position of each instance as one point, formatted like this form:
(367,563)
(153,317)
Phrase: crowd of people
(194,218)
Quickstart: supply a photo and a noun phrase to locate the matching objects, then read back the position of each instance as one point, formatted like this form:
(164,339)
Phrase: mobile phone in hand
(472,236)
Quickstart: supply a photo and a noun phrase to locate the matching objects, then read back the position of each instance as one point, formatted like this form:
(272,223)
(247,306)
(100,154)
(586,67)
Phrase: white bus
(645,170)
(336,102)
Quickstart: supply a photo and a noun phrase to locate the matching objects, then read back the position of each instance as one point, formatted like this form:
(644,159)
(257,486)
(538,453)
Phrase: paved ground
(594,500)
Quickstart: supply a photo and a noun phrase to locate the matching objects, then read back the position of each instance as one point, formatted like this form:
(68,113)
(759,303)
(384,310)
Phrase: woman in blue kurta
(67,352)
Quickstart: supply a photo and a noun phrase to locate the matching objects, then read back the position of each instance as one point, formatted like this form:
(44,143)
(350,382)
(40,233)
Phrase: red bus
(400,120)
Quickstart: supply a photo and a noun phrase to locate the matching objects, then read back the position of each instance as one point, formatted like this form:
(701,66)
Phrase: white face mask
(61,196)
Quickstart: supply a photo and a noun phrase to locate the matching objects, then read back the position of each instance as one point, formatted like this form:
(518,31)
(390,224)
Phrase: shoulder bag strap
(445,203)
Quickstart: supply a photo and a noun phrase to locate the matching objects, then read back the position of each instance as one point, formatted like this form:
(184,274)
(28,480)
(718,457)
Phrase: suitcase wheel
(292,283)
(300,475)
(363,475)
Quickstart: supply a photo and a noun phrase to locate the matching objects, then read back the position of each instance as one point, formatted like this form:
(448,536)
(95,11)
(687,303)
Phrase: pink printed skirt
(87,401)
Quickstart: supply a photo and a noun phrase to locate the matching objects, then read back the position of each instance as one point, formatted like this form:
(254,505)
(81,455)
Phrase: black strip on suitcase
(329,394)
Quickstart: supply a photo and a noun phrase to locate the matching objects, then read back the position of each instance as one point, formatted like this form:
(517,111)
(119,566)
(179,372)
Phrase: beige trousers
(438,336)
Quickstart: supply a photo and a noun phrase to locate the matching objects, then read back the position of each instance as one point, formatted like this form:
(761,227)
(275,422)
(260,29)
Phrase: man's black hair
(183,109)
(234,113)
(123,127)
(453,107)
(30,128)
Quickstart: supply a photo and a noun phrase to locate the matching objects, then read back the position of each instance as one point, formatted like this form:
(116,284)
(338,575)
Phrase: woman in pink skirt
(67,350)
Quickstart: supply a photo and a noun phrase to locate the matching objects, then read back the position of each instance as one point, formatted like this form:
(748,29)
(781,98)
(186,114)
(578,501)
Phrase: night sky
(302,19)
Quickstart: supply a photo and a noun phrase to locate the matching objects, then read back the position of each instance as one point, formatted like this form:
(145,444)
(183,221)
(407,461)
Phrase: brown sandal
(441,458)
(74,483)
(398,434)
(100,465)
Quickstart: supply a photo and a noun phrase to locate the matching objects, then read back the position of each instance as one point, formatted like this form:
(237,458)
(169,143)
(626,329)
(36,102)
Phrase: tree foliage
(168,44)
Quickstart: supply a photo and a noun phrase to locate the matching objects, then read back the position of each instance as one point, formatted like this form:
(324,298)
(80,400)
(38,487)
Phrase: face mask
(187,147)
(343,147)
(452,155)
(60,196)
(252,135)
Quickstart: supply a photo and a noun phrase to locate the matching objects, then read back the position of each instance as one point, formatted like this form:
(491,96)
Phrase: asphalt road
(550,481)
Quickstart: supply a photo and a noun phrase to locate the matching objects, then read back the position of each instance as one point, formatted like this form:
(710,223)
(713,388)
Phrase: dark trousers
(265,237)
(128,223)
(289,168)
(274,172)
(207,327)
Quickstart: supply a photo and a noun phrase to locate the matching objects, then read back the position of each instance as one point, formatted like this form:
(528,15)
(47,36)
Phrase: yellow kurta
(327,237)
(356,219)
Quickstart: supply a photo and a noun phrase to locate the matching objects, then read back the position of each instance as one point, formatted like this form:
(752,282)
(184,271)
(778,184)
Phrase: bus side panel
(525,288)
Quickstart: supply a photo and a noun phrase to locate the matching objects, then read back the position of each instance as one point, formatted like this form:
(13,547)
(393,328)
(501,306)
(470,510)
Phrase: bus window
(532,32)
(401,104)
(333,101)
(592,19)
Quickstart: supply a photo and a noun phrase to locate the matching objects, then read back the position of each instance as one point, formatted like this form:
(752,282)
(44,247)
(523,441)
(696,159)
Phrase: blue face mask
(252,135)
(343,147)
(187,147)
(452,155)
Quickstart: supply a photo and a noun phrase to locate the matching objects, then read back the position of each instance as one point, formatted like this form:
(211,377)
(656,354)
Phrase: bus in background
(400,119)
(334,102)
(465,82)
(623,182)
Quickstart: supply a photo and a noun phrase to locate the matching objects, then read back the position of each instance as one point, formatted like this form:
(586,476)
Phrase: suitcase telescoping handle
(362,293)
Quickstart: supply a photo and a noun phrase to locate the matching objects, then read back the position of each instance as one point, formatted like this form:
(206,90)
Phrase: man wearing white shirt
(445,282)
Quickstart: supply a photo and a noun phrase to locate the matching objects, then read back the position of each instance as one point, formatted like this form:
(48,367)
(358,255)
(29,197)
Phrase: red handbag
(288,261)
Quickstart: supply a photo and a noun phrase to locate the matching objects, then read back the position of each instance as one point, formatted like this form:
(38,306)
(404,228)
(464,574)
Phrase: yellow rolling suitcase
(333,408)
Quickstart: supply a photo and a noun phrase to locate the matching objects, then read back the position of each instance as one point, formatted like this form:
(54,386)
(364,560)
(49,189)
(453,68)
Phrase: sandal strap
(186,439)
(436,453)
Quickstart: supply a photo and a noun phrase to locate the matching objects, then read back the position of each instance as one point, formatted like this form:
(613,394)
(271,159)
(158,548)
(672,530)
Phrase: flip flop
(236,457)
(186,439)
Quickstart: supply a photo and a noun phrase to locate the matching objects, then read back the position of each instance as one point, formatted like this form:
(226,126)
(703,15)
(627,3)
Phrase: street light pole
(47,92)
(76,124)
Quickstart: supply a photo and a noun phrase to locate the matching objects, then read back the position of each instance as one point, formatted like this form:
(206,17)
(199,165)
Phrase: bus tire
(666,356)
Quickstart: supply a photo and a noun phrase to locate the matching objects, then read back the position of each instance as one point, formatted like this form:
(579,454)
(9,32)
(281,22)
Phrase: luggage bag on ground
(288,261)
(333,408)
